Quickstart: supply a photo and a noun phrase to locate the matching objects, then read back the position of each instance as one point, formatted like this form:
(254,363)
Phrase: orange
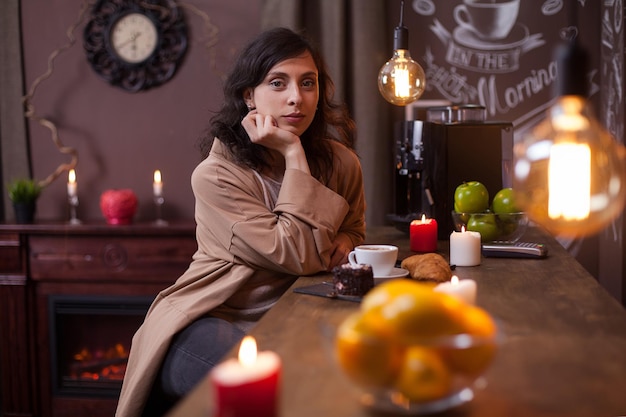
(481,347)
(423,376)
(402,337)
(478,322)
(387,291)
(408,312)
(365,358)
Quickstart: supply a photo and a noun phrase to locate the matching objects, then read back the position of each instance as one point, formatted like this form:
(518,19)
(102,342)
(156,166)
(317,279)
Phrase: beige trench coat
(240,239)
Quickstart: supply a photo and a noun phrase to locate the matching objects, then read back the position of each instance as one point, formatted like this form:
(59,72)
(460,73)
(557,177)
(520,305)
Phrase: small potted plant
(24,193)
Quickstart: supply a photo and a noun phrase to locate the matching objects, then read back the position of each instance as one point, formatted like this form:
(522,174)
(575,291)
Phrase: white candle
(464,290)
(157,185)
(71,184)
(248,386)
(465,248)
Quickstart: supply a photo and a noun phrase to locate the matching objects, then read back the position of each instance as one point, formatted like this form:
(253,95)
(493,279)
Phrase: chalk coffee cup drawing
(490,20)
(382,258)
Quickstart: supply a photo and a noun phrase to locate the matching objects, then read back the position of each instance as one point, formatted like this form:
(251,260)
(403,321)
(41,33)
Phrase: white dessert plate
(395,273)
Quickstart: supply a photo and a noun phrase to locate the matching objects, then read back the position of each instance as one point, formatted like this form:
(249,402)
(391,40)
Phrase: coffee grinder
(432,157)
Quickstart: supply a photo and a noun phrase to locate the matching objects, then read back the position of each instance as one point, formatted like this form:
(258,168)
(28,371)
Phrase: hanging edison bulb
(401,80)
(569,172)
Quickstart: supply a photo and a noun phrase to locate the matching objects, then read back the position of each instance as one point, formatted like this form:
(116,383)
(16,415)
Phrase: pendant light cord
(573,14)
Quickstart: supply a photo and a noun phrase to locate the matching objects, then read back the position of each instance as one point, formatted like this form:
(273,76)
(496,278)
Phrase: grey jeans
(192,353)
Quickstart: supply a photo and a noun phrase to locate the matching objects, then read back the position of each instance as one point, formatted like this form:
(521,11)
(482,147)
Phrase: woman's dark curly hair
(331,120)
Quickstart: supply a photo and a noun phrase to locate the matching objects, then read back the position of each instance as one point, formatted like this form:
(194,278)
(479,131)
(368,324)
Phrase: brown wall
(123,137)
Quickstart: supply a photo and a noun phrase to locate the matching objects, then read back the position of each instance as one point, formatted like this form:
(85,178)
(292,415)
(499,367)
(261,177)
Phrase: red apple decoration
(118,206)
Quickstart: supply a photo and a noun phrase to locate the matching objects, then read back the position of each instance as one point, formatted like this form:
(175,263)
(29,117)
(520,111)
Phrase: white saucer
(395,273)
(466,37)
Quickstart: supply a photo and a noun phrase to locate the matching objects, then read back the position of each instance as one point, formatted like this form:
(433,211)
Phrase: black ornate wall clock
(135,44)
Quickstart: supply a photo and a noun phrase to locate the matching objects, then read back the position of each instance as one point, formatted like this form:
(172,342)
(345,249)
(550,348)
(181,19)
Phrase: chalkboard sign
(498,53)
(612,68)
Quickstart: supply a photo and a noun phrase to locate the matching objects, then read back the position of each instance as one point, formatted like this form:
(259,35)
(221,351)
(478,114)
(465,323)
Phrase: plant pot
(25,212)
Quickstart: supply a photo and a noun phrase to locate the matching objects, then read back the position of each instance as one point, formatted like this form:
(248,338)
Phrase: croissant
(428,267)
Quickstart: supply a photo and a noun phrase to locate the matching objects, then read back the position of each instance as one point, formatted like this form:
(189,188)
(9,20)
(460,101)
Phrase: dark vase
(25,212)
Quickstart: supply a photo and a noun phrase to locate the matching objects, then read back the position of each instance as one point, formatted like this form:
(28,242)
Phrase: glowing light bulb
(401,80)
(569,173)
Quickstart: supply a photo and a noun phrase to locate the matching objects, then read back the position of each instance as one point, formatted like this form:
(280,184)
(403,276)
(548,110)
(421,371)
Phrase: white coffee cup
(490,20)
(382,258)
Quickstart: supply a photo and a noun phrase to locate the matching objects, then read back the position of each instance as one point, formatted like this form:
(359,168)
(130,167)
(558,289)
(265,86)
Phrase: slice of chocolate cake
(353,279)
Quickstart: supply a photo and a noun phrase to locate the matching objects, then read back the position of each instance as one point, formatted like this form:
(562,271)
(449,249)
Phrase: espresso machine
(454,144)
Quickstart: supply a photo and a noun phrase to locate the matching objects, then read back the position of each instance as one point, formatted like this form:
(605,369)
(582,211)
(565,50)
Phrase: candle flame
(463,229)
(423,218)
(71,176)
(247,351)
(157,176)
(454,280)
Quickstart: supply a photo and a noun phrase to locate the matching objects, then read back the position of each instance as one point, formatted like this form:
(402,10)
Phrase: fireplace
(89,342)
(70,301)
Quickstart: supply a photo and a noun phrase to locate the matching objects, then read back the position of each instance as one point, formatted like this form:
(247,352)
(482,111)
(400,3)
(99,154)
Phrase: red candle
(247,386)
(423,235)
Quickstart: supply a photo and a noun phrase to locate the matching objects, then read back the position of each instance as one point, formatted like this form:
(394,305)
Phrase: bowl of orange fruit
(413,350)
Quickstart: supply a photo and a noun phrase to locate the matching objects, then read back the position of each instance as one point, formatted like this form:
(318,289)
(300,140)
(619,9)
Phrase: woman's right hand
(263,130)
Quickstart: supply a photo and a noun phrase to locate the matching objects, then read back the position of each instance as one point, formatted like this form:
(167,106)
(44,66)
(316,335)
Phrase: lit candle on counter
(465,248)
(464,290)
(157,184)
(247,386)
(71,184)
(423,235)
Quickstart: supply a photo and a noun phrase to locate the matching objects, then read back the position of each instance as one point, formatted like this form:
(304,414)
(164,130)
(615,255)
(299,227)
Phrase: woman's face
(289,93)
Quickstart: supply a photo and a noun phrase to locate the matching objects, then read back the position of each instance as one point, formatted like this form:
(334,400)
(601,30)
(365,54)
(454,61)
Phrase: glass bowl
(417,378)
(504,228)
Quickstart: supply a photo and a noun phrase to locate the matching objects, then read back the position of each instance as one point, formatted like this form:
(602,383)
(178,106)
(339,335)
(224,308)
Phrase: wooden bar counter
(563,353)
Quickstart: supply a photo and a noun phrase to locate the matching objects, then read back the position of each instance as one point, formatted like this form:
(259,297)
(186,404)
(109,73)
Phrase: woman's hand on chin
(263,130)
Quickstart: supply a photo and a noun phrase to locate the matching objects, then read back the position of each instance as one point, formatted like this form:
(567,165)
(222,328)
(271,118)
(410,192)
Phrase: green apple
(471,197)
(486,225)
(504,202)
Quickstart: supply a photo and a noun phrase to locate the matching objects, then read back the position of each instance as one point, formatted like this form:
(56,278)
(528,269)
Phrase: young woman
(279,194)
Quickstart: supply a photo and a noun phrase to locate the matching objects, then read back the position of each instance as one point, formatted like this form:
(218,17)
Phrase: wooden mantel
(41,260)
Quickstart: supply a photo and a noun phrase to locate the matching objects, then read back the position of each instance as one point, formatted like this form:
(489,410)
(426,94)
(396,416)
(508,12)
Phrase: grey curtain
(13,141)
(356,42)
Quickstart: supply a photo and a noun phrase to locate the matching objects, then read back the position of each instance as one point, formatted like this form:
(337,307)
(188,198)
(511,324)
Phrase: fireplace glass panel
(90,340)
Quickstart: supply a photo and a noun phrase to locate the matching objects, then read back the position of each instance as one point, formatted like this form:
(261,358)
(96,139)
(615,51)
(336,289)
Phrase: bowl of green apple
(497,220)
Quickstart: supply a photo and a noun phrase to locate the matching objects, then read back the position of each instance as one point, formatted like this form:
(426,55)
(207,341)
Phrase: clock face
(135,44)
(134,37)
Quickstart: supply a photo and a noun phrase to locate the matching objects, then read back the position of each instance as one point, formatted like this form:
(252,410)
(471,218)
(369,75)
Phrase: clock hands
(133,39)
